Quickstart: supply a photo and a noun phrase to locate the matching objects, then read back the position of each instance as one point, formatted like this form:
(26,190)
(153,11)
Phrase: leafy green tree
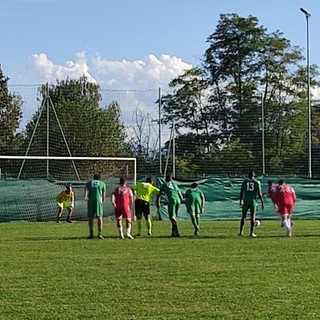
(244,68)
(74,112)
(10,117)
(77,126)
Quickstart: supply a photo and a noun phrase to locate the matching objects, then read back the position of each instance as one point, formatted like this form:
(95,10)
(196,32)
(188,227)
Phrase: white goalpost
(29,184)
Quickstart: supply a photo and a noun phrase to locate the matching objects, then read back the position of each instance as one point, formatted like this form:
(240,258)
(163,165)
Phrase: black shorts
(141,208)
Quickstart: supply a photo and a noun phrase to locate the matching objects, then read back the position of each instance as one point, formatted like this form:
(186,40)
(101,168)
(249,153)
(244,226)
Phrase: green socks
(149,226)
(139,226)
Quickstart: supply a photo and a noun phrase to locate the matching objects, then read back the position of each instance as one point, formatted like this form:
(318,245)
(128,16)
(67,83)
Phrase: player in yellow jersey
(65,200)
(144,192)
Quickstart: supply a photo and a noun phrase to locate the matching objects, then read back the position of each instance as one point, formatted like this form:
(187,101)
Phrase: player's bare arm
(261,199)
(113,199)
(241,199)
(158,199)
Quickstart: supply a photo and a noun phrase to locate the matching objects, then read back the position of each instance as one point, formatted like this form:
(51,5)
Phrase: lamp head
(307,14)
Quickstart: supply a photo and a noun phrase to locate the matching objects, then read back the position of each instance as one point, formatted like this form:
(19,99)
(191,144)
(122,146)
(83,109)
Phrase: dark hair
(122,181)
(270,182)
(168,178)
(251,174)
(194,185)
(281,182)
(68,186)
(97,176)
(149,180)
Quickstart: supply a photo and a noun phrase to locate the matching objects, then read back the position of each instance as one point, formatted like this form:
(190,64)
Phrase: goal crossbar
(48,158)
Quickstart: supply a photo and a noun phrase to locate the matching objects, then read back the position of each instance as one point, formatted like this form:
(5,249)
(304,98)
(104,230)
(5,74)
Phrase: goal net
(29,184)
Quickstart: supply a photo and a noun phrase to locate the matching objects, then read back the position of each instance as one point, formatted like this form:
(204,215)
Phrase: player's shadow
(51,238)
(307,235)
(188,237)
(182,236)
(69,238)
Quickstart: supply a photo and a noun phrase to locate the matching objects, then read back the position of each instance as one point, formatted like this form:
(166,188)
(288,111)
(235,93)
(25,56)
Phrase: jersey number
(250,186)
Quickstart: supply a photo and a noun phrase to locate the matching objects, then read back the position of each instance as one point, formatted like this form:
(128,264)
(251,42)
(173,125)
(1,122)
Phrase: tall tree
(10,117)
(74,111)
(245,71)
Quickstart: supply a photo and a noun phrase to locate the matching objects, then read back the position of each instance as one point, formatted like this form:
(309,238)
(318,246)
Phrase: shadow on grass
(182,237)
(54,238)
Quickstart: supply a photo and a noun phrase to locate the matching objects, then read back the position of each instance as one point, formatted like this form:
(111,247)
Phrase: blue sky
(130,44)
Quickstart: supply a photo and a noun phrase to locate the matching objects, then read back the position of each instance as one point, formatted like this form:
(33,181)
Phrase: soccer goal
(29,184)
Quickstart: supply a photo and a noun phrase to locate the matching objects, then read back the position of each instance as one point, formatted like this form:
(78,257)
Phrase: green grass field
(51,271)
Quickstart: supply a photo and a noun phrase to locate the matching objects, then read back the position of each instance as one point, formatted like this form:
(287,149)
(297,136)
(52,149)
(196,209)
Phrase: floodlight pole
(308,15)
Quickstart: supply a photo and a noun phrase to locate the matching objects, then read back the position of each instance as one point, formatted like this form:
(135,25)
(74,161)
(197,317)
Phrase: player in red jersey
(285,199)
(122,200)
(270,191)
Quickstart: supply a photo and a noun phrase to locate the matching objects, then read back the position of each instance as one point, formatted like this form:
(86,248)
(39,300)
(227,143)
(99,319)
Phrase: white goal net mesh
(29,185)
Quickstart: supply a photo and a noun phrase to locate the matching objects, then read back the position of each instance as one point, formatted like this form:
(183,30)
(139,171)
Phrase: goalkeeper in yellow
(143,192)
(65,200)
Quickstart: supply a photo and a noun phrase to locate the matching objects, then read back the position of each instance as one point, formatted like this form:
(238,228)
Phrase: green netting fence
(222,198)
(34,200)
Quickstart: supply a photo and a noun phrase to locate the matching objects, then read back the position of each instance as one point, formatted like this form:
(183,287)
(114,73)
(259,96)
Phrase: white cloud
(150,73)
(50,72)
(120,79)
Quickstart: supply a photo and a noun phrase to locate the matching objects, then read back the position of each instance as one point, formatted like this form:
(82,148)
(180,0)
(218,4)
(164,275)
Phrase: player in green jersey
(195,200)
(95,194)
(249,194)
(143,192)
(174,196)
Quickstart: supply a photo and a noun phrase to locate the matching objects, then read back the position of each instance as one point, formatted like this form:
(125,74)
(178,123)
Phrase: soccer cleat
(149,234)
(100,236)
(175,235)
(58,220)
(196,232)
(240,234)
(138,235)
(289,234)
(90,236)
(121,236)
(129,236)
(253,235)
(68,220)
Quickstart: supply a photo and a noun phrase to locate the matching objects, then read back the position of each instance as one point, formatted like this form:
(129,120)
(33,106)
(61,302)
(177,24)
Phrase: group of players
(282,195)
(124,198)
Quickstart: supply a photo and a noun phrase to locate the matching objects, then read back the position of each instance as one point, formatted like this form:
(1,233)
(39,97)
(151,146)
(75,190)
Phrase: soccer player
(270,191)
(95,194)
(285,199)
(122,201)
(143,192)
(174,196)
(65,200)
(250,191)
(195,200)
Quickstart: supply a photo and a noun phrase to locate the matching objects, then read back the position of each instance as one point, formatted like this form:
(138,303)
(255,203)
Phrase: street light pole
(263,137)
(308,15)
